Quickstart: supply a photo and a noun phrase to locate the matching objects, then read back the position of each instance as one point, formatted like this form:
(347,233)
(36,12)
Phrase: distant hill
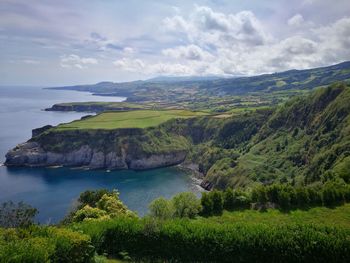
(182,79)
(182,88)
(292,79)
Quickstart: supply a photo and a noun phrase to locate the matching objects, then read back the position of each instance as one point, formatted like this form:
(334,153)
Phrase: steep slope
(304,141)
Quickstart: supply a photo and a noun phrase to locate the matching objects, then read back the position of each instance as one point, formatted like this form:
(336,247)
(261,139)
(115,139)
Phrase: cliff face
(119,149)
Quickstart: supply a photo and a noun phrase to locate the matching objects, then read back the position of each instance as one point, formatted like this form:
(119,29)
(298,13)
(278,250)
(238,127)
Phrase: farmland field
(129,119)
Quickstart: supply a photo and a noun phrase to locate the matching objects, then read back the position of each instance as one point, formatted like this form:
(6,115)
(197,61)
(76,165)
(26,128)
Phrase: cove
(54,191)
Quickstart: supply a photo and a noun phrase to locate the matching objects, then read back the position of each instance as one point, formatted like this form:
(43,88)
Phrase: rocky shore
(32,154)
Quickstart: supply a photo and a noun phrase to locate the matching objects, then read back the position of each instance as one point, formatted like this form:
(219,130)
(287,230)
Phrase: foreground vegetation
(220,227)
(194,241)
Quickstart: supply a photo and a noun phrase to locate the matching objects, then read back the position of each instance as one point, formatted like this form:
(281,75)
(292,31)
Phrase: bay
(54,191)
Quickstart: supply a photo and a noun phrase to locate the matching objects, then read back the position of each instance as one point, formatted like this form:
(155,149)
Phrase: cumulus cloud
(190,52)
(232,44)
(139,66)
(296,20)
(75,61)
(205,26)
(129,64)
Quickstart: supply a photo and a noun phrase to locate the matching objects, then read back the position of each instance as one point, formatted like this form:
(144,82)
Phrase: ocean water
(54,191)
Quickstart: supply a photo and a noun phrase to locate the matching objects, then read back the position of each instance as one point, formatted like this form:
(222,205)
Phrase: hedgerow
(194,241)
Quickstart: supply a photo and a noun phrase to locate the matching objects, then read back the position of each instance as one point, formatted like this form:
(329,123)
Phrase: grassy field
(339,216)
(129,119)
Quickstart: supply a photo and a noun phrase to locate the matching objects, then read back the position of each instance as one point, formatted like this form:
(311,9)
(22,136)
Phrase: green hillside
(303,141)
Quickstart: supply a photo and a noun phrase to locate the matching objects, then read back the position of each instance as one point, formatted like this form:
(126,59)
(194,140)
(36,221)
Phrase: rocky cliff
(134,149)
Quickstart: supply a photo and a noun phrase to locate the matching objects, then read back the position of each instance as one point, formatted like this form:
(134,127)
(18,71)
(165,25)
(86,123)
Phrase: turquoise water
(54,191)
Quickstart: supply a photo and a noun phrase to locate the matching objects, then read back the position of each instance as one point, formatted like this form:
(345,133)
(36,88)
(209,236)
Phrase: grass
(339,216)
(129,119)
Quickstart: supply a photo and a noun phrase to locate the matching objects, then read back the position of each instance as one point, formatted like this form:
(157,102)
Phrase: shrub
(207,204)
(229,199)
(16,214)
(109,205)
(91,197)
(259,195)
(70,246)
(112,204)
(44,244)
(196,241)
(88,212)
(302,197)
(186,205)
(161,208)
(218,202)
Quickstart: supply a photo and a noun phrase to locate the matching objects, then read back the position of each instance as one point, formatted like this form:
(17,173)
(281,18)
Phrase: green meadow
(129,119)
(337,216)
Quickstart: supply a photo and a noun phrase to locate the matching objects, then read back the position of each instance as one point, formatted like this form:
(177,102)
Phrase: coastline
(196,176)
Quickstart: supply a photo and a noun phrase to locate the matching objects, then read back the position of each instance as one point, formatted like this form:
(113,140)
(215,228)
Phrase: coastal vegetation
(238,228)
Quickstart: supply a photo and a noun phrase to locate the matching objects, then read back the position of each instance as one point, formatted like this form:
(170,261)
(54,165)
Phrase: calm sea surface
(54,191)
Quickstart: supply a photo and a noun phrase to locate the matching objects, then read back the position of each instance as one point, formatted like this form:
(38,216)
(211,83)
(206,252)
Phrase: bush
(218,202)
(207,204)
(259,195)
(161,208)
(70,246)
(44,244)
(16,215)
(91,197)
(186,205)
(235,199)
(196,241)
(109,205)
(88,212)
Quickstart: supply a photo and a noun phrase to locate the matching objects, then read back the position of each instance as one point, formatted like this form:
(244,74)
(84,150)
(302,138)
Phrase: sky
(68,42)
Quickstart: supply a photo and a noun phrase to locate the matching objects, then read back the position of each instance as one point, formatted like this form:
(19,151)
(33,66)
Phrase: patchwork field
(129,119)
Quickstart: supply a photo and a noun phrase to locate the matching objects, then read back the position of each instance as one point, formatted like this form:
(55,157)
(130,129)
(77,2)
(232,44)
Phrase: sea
(54,191)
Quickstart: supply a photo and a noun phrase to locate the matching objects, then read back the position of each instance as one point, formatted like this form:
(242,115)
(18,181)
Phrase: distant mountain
(182,79)
(287,80)
(183,88)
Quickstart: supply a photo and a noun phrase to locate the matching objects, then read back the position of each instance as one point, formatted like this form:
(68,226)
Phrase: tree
(218,202)
(88,212)
(259,194)
(207,204)
(302,196)
(108,206)
(16,214)
(229,199)
(284,199)
(91,197)
(161,208)
(186,205)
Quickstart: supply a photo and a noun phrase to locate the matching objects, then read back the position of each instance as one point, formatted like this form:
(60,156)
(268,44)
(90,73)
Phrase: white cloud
(236,44)
(296,20)
(72,60)
(129,64)
(204,26)
(190,52)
